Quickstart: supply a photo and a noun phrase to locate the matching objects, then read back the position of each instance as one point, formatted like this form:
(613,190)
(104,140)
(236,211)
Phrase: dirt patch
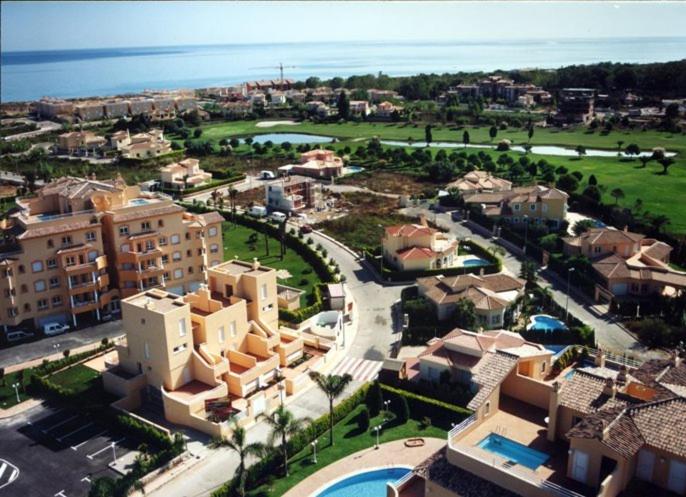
(389,182)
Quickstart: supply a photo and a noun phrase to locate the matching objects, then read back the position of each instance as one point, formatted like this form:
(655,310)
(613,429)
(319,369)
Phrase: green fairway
(237,242)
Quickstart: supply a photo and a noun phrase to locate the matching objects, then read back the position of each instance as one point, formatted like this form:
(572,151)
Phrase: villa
(184,174)
(386,110)
(292,193)
(628,264)
(540,205)
(213,355)
(141,145)
(590,432)
(318,163)
(80,143)
(491,295)
(480,182)
(359,108)
(411,247)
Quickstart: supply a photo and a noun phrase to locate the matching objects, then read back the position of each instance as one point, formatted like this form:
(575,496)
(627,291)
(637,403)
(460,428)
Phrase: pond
(294,138)
(535,149)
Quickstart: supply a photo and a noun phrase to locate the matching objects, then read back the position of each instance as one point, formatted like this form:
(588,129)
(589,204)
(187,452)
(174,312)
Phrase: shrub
(363,419)
(404,410)
(374,400)
(310,241)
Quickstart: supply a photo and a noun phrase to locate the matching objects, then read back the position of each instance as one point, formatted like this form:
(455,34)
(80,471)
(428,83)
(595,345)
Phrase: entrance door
(677,477)
(644,469)
(580,467)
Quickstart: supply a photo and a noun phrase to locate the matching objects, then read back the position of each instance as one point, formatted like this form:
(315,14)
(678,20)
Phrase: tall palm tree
(283,424)
(239,444)
(332,386)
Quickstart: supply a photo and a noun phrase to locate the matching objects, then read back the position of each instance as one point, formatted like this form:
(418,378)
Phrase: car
(18,336)
(306,228)
(279,217)
(257,211)
(267,175)
(50,329)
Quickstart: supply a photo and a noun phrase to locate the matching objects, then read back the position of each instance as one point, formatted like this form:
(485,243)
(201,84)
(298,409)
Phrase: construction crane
(281,67)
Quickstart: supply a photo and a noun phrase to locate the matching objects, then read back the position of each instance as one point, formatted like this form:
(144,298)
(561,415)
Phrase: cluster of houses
(497,88)
(84,143)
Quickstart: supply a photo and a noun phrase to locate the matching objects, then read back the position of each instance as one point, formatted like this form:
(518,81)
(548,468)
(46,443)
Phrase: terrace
(526,425)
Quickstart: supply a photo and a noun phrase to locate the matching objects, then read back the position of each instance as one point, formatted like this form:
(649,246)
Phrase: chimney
(626,228)
(621,376)
(553,404)
(610,389)
(481,271)
(600,359)
(422,220)
(149,304)
(255,264)
(676,358)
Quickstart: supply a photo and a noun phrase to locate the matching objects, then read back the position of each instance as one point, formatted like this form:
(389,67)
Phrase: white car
(50,329)
(279,217)
(18,336)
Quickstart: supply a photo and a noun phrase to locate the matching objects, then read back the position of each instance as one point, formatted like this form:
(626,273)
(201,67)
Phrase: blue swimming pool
(475,261)
(543,322)
(513,451)
(367,484)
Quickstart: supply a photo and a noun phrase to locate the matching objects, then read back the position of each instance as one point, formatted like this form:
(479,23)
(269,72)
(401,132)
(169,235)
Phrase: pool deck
(388,454)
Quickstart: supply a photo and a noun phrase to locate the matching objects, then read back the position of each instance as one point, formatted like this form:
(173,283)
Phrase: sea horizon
(91,72)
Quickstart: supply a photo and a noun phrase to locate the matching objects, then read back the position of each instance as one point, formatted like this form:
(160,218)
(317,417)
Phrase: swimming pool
(474,262)
(367,484)
(513,451)
(138,201)
(294,138)
(543,322)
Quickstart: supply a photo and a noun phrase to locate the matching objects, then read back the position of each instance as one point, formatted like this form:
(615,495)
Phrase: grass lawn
(78,378)
(237,243)
(348,439)
(8,397)
(361,231)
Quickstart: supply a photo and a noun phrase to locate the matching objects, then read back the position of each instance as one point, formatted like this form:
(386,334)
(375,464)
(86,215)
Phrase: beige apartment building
(79,245)
(211,356)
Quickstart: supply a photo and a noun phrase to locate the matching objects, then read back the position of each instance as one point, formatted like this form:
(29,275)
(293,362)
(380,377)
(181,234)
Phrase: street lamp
(386,403)
(377,429)
(569,273)
(314,450)
(526,231)
(114,452)
(16,391)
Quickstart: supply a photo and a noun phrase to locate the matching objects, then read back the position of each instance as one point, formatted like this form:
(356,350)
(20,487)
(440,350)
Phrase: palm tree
(619,146)
(618,194)
(233,193)
(665,163)
(283,424)
(239,444)
(332,386)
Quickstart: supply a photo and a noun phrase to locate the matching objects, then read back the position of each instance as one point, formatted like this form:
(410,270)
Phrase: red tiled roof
(416,253)
(409,230)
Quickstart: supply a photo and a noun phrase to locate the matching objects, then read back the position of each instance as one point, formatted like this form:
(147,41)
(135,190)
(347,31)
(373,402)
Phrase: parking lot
(55,452)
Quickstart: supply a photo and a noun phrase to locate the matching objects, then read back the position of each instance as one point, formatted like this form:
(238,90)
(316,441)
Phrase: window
(487,408)
(160,223)
(42,304)
(597,249)
(39,285)
(125,247)
(165,259)
(70,260)
(37,266)
(178,274)
(54,282)
(176,256)
(163,241)
(544,207)
(21,269)
(189,253)
(495,319)
(543,367)
(214,248)
(232,329)
(27,307)
(90,236)
(166,275)
(515,220)
(198,235)
(516,207)
(24,289)
(199,251)
(263,291)
(66,240)
(12,312)
(142,320)
(123,230)
(190,269)
(146,350)
(532,207)
(212,231)
(51,244)
(221,334)
(145,226)
(57,301)
(188,236)
(92,255)
(175,239)
(52,263)
(149,245)
(179,348)
(182,327)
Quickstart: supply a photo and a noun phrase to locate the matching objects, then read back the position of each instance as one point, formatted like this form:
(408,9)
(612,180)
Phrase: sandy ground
(269,124)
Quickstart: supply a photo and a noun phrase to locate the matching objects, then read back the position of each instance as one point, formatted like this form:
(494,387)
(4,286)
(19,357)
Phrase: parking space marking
(8,473)
(59,439)
(60,494)
(76,447)
(60,423)
(86,479)
(108,446)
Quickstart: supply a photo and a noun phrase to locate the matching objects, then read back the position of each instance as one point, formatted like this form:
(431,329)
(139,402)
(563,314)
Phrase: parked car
(267,175)
(18,336)
(306,228)
(279,217)
(258,211)
(50,329)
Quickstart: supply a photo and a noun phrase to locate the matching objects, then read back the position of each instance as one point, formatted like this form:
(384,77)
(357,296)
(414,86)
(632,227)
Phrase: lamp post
(377,429)
(16,391)
(314,450)
(526,232)
(114,452)
(569,273)
(386,403)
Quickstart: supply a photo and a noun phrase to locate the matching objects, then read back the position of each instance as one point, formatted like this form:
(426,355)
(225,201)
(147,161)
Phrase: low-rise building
(628,265)
(238,108)
(491,295)
(90,111)
(359,108)
(387,110)
(277,97)
(575,105)
(144,145)
(291,194)
(116,108)
(212,356)
(184,174)
(480,182)
(540,205)
(412,247)
(80,143)
(318,163)
(375,96)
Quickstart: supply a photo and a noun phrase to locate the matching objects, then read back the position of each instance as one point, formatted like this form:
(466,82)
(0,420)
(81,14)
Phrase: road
(43,127)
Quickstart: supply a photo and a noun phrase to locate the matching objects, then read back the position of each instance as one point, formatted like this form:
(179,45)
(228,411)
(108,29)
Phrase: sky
(58,25)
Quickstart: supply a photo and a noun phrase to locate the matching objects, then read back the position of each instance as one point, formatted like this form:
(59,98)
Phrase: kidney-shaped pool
(367,484)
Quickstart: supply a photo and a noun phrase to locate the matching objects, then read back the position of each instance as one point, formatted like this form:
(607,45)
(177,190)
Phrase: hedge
(144,431)
(49,367)
(442,413)
(300,315)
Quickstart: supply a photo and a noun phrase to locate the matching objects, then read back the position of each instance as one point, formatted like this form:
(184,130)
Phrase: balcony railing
(459,428)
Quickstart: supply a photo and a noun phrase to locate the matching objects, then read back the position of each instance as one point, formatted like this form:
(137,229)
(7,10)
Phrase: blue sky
(64,25)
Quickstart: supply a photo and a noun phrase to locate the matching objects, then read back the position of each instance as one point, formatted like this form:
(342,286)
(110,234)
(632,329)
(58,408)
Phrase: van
(18,336)
(279,217)
(50,329)
(267,175)
(258,211)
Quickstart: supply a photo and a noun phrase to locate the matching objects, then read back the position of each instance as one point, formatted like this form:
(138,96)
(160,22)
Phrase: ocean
(100,72)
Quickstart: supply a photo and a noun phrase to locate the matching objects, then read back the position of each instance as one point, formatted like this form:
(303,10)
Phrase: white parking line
(60,423)
(108,446)
(60,494)
(86,479)
(75,431)
(76,447)
(4,467)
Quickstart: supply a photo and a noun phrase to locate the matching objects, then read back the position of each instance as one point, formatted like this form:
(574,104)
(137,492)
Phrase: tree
(284,425)
(531,132)
(363,419)
(197,133)
(527,271)
(619,146)
(248,141)
(633,149)
(332,386)
(403,410)
(581,150)
(465,138)
(493,132)
(644,160)
(374,399)
(592,180)
(239,444)
(618,194)
(582,226)
(666,162)
(464,315)
(343,106)
(672,112)
(102,487)
(234,142)
(428,137)
(2,376)
(658,222)
(568,183)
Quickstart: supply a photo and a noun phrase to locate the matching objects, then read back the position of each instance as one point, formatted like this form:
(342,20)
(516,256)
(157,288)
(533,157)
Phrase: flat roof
(235,267)
(157,300)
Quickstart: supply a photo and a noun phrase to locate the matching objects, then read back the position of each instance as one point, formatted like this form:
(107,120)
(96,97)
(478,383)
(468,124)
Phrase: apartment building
(598,429)
(89,111)
(184,174)
(539,204)
(628,265)
(292,194)
(387,110)
(318,163)
(575,105)
(54,108)
(409,247)
(220,345)
(79,245)
(375,96)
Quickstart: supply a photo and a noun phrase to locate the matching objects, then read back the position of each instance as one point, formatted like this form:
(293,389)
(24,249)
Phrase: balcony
(107,297)
(86,267)
(134,257)
(81,307)
(247,371)
(290,349)
(89,286)
(140,274)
